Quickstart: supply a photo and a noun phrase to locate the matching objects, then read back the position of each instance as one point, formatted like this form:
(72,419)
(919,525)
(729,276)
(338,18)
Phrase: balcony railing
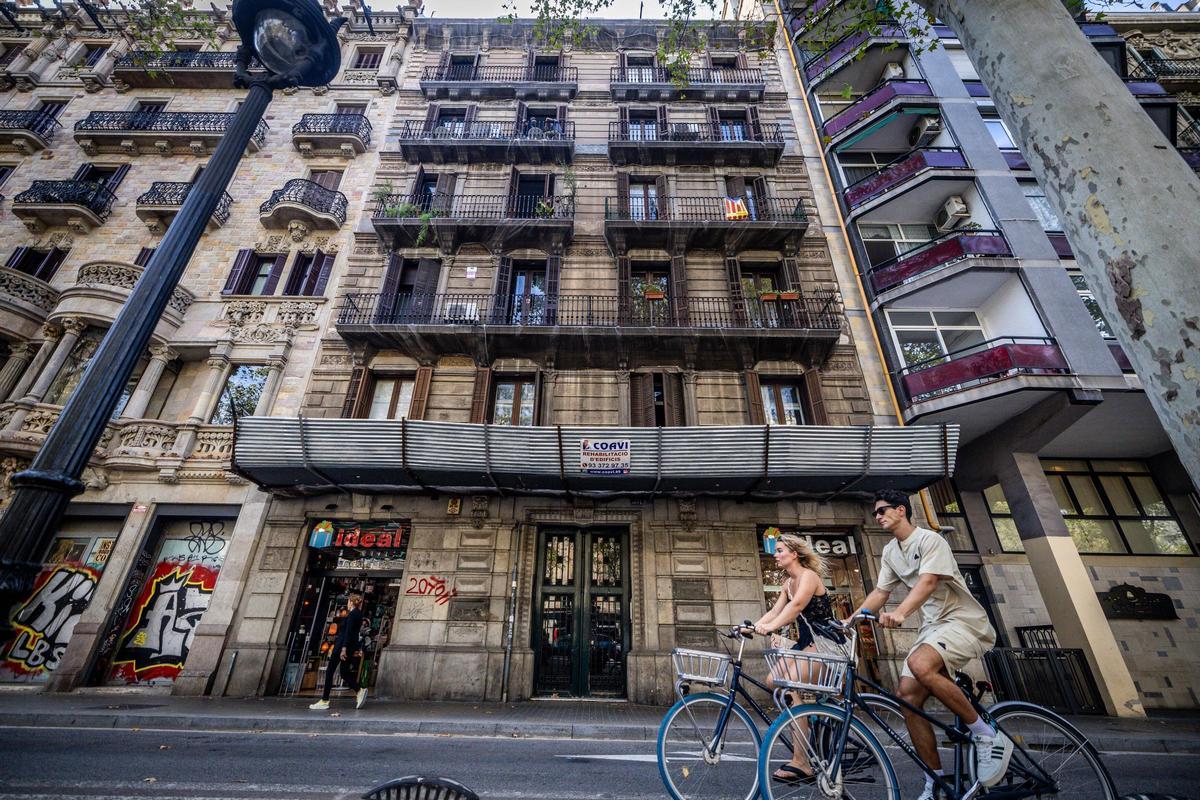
(172,194)
(690,77)
(1192,156)
(39,122)
(471,73)
(987,361)
(328,124)
(1172,68)
(95,197)
(939,252)
(818,312)
(901,169)
(823,59)
(703,210)
(310,195)
(164,122)
(534,132)
(873,100)
(180,60)
(1062,247)
(695,132)
(476,207)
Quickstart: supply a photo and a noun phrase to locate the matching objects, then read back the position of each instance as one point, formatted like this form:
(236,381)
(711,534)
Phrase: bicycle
(700,753)
(848,760)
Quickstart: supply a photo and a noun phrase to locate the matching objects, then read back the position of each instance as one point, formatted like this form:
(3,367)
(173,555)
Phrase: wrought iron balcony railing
(690,77)
(471,73)
(695,132)
(95,197)
(988,361)
(703,210)
(164,122)
(311,195)
(548,131)
(901,169)
(819,312)
(1189,136)
(1168,69)
(181,60)
(347,124)
(39,122)
(172,193)
(473,207)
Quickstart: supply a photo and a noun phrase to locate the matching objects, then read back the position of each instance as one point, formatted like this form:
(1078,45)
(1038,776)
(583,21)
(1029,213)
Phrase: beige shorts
(956,643)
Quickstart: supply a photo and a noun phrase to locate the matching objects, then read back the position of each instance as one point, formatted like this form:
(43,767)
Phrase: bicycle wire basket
(700,666)
(806,671)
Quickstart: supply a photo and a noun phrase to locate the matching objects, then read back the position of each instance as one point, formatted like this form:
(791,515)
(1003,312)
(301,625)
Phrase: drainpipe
(511,620)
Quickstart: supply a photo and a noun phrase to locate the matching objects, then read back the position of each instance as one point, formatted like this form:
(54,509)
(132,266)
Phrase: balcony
(158,206)
(79,205)
(884,97)
(821,64)
(309,456)
(1169,70)
(182,69)
(905,173)
(495,220)
(306,204)
(990,361)
(163,132)
(102,289)
(488,143)
(26,131)
(695,143)
(1192,156)
(24,303)
(953,248)
(604,330)
(345,135)
(698,84)
(706,223)
(469,82)
(1062,247)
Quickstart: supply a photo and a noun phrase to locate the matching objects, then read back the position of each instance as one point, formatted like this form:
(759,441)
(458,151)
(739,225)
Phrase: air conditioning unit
(891,71)
(951,214)
(925,131)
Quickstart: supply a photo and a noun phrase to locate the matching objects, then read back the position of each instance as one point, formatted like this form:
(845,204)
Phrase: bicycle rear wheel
(693,765)
(1050,758)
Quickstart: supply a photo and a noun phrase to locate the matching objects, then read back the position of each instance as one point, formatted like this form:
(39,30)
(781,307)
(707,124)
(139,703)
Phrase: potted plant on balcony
(768,297)
(653,294)
(789,295)
(544,208)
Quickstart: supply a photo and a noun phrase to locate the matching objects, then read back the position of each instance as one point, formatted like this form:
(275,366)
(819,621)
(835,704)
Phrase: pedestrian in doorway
(344,656)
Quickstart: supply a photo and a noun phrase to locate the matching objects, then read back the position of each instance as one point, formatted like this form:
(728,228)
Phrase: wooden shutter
(733,276)
(791,273)
(673,399)
(714,123)
(414,196)
(624,288)
(641,399)
(143,256)
(481,394)
(758,415)
(233,283)
(50,264)
(662,199)
(753,124)
(115,179)
(356,393)
(539,386)
(679,288)
(429,270)
(762,203)
(443,199)
(736,187)
(623,123)
(15,258)
(741,62)
(323,267)
(82,172)
(561,115)
(273,277)
(443,67)
(522,117)
(623,194)
(815,399)
(420,399)
(662,122)
(530,64)
(327,178)
(514,178)
(504,266)
(468,118)
(431,115)
(622,67)
(553,270)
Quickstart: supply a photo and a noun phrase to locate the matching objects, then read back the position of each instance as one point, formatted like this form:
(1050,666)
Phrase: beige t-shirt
(925,552)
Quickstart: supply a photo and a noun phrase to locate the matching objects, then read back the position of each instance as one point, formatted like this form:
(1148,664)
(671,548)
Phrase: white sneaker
(361,698)
(930,793)
(992,754)
(320,705)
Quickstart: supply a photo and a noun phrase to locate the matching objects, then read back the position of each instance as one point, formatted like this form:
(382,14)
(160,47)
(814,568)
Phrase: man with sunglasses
(954,631)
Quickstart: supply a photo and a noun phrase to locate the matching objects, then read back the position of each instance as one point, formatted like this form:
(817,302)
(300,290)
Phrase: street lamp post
(298,47)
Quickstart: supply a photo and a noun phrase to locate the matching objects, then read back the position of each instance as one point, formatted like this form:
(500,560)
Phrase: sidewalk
(555,719)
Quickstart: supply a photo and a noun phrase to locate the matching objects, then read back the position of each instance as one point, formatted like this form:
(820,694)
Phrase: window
(639,69)
(309,274)
(783,403)
(643,126)
(1002,520)
(462,67)
(260,276)
(454,121)
(885,242)
(52,108)
(328,178)
(922,336)
(110,177)
(1041,207)
(368,58)
(143,256)
(350,108)
(243,389)
(512,402)
(732,126)
(528,294)
(41,264)
(72,370)
(92,53)
(1089,302)
(11,51)
(650,285)
(759,278)
(150,106)
(856,166)
(656,399)
(545,68)
(962,63)
(947,505)
(643,198)
(998,130)
(391,398)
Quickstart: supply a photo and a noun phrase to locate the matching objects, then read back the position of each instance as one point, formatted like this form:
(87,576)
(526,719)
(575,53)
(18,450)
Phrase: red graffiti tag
(432,585)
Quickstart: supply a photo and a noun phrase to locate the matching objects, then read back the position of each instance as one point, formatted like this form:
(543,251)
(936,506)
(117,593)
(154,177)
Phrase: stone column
(18,359)
(72,328)
(93,79)
(624,412)
(50,334)
(386,76)
(275,365)
(691,414)
(1063,580)
(549,395)
(160,356)
(218,367)
(30,52)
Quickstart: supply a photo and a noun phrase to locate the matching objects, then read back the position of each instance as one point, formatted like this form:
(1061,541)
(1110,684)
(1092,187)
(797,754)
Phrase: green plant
(544,208)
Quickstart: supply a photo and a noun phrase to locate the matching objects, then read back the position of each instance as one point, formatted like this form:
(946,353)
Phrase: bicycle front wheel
(697,762)
(1051,758)
(808,739)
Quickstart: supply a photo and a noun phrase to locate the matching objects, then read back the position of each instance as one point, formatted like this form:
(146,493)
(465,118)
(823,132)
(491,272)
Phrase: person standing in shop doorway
(343,655)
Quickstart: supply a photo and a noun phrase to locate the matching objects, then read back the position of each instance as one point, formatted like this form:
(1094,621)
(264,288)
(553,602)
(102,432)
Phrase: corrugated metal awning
(289,455)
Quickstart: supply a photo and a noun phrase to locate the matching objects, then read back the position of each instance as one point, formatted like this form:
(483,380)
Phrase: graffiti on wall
(43,625)
(431,585)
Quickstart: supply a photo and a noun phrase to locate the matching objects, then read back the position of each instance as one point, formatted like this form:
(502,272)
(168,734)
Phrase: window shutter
(15,258)
(623,121)
(431,115)
(233,283)
(641,399)
(51,263)
(82,172)
(736,187)
(662,199)
(791,273)
(355,393)
(444,191)
(443,65)
(679,288)
(503,290)
(714,121)
(273,277)
(624,288)
(733,276)
(522,117)
(420,400)
(562,115)
(622,66)
(817,414)
(300,278)
(538,388)
(673,398)
(623,194)
(758,415)
(741,61)
(553,270)
(530,63)
(322,269)
(514,179)
(468,118)
(414,196)
(428,272)
(479,398)
(143,256)
(662,122)
(115,179)
(753,123)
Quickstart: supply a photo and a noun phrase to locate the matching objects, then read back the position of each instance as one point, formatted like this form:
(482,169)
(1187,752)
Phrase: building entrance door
(581,612)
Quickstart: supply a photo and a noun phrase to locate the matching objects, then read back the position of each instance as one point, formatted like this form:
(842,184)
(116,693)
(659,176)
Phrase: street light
(298,47)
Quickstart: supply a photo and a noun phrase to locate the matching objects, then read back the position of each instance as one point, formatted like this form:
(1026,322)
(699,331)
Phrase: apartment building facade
(1068,497)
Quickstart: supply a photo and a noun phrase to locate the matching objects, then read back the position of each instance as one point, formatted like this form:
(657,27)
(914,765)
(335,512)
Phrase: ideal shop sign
(823,544)
(604,456)
(327,534)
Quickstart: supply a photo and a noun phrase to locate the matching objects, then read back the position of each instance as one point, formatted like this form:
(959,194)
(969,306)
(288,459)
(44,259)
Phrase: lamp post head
(291,38)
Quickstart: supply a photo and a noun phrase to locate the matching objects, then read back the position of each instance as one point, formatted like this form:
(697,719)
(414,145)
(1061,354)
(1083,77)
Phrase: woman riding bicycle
(803,607)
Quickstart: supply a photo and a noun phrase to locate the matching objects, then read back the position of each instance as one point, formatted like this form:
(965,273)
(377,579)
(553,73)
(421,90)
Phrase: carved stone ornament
(1172,43)
(27,289)
(296,314)
(244,312)
(687,513)
(124,276)
(479,510)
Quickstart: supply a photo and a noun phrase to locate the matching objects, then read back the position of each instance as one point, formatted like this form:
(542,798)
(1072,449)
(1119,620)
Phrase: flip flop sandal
(797,776)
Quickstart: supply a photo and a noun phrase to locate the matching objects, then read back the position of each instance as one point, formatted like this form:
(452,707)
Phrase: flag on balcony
(735,208)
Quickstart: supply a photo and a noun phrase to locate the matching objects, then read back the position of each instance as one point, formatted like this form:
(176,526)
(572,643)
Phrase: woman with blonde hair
(804,603)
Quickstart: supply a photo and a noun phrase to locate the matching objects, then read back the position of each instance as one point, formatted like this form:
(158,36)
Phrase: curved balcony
(993,360)
(163,132)
(26,131)
(342,134)
(937,254)
(496,220)
(158,206)
(488,142)
(101,289)
(885,96)
(25,302)
(904,173)
(820,65)
(695,143)
(704,223)
(697,84)
(305,203)
(464,82)
(80,205)
(181,69)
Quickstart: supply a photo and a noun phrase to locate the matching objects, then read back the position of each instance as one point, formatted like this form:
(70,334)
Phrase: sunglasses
(879,512)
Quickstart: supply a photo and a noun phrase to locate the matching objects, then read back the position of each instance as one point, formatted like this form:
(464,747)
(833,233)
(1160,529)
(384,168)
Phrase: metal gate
(1058,678)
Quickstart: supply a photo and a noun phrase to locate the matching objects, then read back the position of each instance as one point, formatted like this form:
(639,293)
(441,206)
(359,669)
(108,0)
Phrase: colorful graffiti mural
(44,623)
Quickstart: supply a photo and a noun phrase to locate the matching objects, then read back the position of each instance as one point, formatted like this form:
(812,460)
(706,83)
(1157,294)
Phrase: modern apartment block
(1068,498)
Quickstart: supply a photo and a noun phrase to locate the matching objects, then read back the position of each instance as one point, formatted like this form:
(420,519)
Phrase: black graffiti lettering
(48,619)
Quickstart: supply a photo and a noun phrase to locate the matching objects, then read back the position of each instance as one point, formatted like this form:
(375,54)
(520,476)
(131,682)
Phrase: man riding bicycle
(954,631)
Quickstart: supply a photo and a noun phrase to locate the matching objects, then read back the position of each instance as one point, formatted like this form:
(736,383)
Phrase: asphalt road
(106,763)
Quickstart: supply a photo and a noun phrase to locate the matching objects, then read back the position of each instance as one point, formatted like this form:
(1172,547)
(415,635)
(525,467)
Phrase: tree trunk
(1126,198)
